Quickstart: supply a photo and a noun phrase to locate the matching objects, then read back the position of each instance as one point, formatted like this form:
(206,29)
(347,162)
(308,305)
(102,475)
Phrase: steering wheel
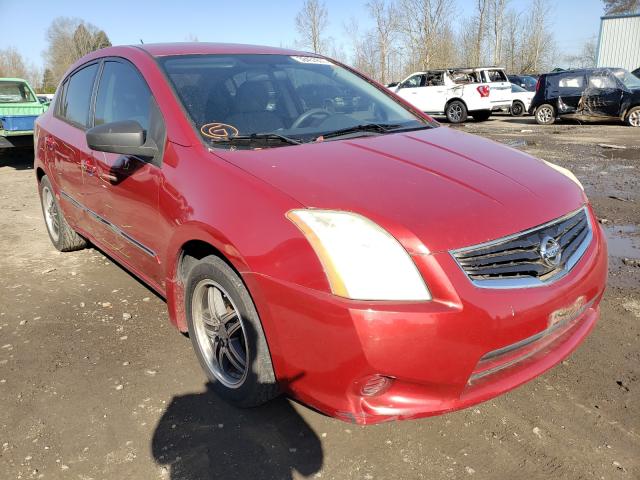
(304,116)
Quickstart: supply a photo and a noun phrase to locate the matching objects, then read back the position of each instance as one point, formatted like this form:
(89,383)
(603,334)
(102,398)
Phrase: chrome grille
(517,261)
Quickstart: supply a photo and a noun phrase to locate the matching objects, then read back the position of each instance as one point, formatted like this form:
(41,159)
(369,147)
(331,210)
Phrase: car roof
(11,79)
(206,48)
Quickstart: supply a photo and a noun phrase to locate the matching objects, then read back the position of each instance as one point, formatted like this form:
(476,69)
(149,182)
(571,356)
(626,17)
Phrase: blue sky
(23,24)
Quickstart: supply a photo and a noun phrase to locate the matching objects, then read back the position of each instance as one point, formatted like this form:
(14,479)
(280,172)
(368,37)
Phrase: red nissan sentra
(315,234)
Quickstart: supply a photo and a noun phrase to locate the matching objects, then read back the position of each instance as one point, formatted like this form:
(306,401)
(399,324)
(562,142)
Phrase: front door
(603,95)
(412,90)
(123,193)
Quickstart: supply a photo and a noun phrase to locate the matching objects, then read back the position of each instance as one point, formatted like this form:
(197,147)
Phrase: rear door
(123,193)
(500,85)
(603,95)
(568,90)
(66,143)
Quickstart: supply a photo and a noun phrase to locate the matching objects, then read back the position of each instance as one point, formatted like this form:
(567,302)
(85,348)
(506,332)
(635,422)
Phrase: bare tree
(12,64)
(424,26)
(586,58)
(69,39)
(481,18)
(512,44)
(538,47)
(311,23)
(616,7)
(386,27)
(497,13)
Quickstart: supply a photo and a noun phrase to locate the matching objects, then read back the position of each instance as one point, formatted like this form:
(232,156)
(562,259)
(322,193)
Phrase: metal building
(619,42)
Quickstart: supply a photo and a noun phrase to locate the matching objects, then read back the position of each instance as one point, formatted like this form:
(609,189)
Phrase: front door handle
(88,166)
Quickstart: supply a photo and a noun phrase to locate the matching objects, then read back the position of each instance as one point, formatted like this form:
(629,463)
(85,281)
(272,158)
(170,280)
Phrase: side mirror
(393,84)
(126,137)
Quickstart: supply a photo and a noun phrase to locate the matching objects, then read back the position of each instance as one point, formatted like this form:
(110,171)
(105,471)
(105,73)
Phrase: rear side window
(77,96)
(571,85)
(496,76)
(122,95)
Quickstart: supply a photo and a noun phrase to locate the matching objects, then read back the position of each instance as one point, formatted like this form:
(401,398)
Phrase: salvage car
(524,81)
(589,94)
(315,234)
(457,93)
(19,107)
(521,100)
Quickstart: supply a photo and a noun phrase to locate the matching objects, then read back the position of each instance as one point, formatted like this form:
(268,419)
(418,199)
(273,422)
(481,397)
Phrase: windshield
(628,79)
(15,92)
(297,98)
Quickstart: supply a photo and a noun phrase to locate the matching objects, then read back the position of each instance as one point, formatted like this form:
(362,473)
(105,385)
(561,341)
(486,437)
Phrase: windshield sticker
(311,60)
(218,131)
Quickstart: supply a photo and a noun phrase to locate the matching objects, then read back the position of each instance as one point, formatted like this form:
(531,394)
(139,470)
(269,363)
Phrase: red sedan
(315,234)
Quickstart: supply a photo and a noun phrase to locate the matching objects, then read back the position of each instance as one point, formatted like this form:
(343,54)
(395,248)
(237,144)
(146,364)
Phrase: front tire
(456,112)
(227,335)
(517,109)
(633,117)
(545,114)
(63,237)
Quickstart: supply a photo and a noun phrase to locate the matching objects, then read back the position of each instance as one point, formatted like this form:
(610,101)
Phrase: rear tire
(545,114)
(456,112)
(633,117)
(63,237)
(227,336)
(517,109)
(481,115)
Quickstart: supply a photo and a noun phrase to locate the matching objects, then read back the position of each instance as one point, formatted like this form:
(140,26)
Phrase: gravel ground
(96,384)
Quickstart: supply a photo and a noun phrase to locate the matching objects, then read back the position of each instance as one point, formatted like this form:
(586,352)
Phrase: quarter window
(122,95)
(77,96)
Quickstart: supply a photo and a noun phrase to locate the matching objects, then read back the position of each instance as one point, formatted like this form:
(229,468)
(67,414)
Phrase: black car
(525,81)
(587,93)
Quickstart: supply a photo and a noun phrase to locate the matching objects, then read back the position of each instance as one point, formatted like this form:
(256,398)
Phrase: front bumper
(324,347)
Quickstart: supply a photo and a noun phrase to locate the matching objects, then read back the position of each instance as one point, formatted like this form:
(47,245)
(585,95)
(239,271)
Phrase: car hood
(447,188)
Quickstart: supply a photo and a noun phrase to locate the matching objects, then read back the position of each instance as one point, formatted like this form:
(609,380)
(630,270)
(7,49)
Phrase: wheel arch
(453,100)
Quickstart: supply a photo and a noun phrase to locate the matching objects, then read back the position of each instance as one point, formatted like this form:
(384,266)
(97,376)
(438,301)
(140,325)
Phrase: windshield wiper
(366,127)
(380,128)
(256,137)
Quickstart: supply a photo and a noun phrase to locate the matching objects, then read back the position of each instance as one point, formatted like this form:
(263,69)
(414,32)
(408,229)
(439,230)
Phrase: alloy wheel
(51,215)
(634,118)
(545,115)
(455,112)
(220,333)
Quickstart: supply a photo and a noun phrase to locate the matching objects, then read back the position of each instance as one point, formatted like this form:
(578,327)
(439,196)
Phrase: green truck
(19,108)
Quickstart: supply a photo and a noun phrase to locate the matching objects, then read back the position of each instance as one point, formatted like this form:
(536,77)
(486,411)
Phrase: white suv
(457,92)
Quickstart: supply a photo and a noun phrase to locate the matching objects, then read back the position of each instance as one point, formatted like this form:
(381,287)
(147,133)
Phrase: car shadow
(202,437)
(17,158)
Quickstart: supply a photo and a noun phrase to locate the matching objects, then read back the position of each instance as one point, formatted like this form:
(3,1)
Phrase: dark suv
(588,93)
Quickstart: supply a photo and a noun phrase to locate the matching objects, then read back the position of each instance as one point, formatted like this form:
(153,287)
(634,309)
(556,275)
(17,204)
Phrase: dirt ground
(96,384)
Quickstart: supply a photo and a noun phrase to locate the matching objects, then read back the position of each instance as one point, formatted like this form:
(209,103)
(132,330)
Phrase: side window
(122,95)
(602,81)
(496,76)
(570,84)
(434,79)
(77,96)
(412,82)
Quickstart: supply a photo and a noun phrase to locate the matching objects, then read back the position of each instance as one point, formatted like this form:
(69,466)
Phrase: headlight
(362,261)
(566,172)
